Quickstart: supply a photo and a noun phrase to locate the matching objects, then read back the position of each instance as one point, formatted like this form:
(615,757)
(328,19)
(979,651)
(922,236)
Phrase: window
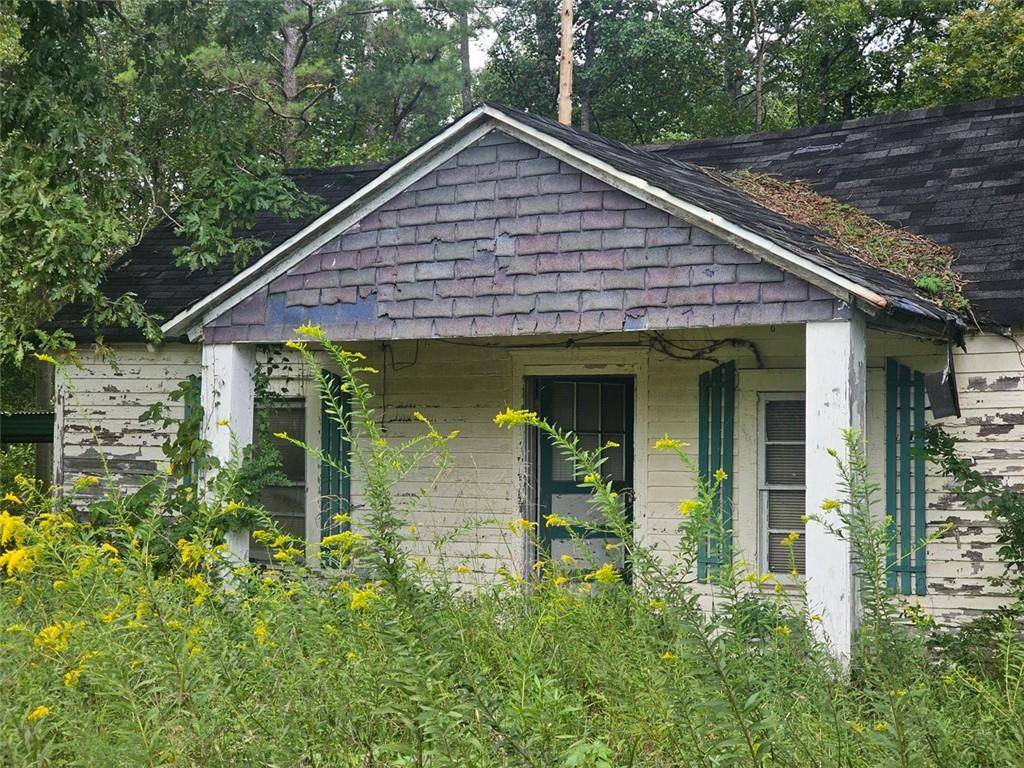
(286,502)
(781,484)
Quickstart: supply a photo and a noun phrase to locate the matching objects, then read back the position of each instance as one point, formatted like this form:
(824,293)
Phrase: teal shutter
(334,469)
(716,413)
(905,500)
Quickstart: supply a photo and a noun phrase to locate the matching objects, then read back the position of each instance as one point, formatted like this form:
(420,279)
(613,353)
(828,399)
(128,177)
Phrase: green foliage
(126,645)
(117,117)
(980,56)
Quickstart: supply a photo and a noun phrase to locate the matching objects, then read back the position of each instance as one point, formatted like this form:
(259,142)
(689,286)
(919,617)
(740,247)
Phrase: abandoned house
(627,293)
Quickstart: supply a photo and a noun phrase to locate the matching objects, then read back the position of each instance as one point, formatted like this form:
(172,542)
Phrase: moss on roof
(928,265)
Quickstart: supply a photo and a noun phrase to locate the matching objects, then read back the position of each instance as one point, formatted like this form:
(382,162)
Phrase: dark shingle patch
(954,174)
(164,289)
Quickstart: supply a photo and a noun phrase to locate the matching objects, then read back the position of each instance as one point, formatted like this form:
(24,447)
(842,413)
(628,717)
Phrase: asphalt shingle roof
(690,184)
(149,271)
(953,174)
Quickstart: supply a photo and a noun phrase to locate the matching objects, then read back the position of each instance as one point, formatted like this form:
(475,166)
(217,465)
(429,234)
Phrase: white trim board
(426,158)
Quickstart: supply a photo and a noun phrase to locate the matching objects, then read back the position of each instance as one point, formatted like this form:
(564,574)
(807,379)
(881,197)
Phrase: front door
(598,410)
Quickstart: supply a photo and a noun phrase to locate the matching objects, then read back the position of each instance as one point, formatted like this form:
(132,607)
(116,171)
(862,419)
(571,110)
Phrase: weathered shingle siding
(502,241)
(990,379)
(101,401)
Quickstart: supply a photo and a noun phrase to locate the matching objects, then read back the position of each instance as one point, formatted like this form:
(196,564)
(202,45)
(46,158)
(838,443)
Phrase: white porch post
(835,370)
(227,398)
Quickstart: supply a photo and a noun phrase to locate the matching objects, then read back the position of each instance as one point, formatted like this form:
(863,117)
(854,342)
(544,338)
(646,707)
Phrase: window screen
(286,503)
(782,479)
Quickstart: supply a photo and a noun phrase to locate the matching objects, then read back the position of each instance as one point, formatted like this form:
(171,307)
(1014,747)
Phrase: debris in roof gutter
(927,264)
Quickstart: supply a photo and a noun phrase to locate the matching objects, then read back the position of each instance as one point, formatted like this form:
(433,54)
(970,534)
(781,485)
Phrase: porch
(761,402)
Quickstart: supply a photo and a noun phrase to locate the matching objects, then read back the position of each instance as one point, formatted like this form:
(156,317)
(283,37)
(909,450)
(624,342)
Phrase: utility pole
(565,66)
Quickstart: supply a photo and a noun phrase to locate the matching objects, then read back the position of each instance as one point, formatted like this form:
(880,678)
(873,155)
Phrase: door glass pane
(588,553)
(563,398)
(562,469)
(613,407)
(576,507)
(588,406)
(614,468)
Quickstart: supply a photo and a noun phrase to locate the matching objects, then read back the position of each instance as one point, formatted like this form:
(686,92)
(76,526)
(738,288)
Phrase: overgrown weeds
(116,653)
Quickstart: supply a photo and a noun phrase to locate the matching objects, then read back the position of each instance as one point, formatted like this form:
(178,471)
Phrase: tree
(116,116)
(981,55)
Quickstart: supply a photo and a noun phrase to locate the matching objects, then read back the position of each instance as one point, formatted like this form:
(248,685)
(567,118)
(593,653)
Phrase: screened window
(286,502)
(782,479)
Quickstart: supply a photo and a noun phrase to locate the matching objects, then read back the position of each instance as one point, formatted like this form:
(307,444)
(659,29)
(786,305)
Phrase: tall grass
(114,653)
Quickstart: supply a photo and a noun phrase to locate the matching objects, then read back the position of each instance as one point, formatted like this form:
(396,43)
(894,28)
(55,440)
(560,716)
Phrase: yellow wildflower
(778,588)
(191,553)
(109,548)
(815,617)
(880,727)
(783,630)
(72,676)
(720,475)
(59,584)
(313,331)
(222,422)
(686,506)
(12,527)
(342,518)
(200,586)
(554,520)
(39,712)
(606,574)
(413,529)
(521,525)
(591,478)
(281,435)
(857,727)
(44,358)
(559,580)
(17,560)
(790,540)
(612,444)
(12,498)
(54,637)
(362,598)
(260,632)
(512,418)
(295,345)
(568,559)
(668,656)
(899,693)
(656,604)
(667,443)
(794,573)
(829,504)
(351,657)
(85,482)
(343,540)
(463,569)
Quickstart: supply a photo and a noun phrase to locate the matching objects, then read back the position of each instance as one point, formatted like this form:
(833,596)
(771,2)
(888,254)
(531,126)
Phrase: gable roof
(165,289)
(953,174)
(678,188)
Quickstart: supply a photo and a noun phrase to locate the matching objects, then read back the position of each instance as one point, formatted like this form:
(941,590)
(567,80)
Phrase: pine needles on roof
(928,265)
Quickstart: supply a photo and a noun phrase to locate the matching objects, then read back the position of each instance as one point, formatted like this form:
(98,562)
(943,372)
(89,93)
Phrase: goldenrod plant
(115,655)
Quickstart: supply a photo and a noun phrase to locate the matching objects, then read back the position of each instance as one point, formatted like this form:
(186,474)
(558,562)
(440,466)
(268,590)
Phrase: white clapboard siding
(462,386)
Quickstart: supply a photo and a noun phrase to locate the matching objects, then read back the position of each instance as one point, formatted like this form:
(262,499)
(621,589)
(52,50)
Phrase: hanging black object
(941,386)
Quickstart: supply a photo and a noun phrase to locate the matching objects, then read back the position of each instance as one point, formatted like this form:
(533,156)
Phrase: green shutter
(334,469)
(716,413)
(905,499)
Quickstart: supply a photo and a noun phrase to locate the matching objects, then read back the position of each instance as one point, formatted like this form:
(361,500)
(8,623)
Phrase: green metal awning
(36,427)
